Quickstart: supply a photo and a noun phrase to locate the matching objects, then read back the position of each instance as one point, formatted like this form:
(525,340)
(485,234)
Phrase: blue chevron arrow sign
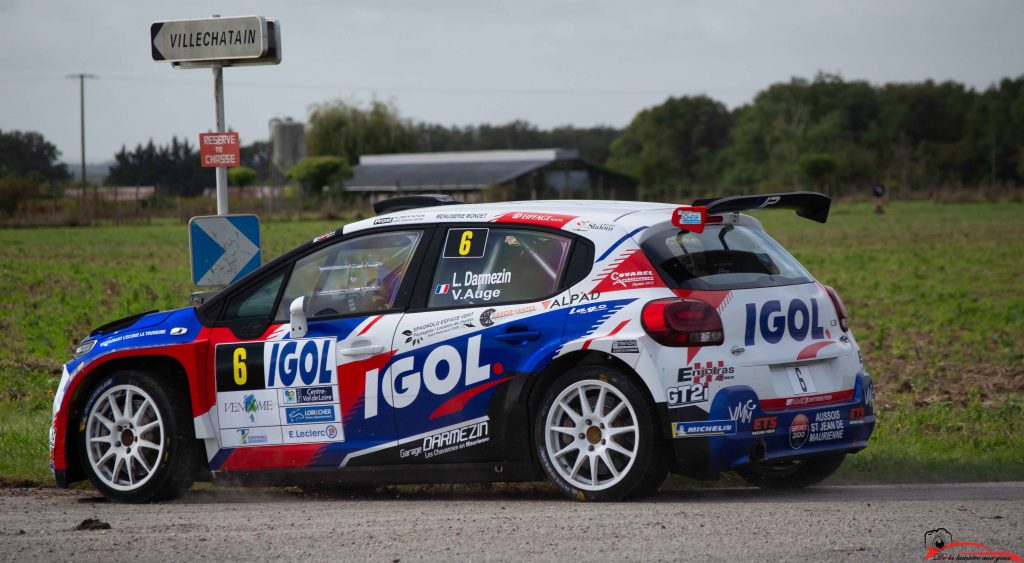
(223,248)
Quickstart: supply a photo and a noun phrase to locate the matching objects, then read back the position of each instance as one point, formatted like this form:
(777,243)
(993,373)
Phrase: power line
(395,89)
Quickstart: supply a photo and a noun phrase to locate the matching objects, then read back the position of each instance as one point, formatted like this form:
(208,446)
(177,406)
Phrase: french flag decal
(442,288)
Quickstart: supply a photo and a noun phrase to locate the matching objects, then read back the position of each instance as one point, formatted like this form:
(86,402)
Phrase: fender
(189,356)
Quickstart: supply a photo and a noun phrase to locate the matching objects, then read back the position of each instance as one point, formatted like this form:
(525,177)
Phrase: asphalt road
(886,523)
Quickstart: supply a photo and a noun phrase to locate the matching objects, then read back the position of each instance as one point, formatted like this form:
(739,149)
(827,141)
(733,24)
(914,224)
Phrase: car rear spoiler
(809,205)
(403,203)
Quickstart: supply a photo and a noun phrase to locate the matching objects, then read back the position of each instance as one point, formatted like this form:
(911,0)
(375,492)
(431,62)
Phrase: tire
(574,445)
(143,455)
(792,475)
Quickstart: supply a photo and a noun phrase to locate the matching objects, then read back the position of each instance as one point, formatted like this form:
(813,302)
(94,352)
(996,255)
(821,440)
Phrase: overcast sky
(551,62)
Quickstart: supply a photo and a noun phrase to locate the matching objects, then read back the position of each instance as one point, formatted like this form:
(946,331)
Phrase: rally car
(599,343)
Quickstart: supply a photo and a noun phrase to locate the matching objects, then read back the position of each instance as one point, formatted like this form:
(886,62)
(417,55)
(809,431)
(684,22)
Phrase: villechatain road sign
(219,149)
(211,39)
(272,56)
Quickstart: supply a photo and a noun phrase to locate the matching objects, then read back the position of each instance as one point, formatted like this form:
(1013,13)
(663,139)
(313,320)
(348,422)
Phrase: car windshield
(722,257)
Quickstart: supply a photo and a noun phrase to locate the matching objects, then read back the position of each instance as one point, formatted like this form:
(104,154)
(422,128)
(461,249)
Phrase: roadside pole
(218,105)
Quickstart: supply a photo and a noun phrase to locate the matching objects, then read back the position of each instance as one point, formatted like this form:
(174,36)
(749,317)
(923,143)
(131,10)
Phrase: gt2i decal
(696,380)
(799,321)
(279,392)
(450,440)
(688,394)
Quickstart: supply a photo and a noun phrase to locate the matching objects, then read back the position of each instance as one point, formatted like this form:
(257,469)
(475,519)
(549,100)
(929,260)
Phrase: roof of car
(603,211)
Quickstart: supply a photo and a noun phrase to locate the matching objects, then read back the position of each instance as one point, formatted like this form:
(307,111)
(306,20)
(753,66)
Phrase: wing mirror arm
(297,318)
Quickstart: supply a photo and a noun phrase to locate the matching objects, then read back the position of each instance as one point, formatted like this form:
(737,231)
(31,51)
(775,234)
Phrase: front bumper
(738,430)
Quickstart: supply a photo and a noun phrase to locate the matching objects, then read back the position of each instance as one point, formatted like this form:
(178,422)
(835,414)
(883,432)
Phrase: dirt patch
(92,524)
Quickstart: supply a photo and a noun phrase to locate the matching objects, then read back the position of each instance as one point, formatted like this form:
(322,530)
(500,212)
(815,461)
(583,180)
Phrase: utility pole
(81,108)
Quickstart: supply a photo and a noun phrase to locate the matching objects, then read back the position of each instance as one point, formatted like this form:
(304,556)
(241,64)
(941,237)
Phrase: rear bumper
(738,430)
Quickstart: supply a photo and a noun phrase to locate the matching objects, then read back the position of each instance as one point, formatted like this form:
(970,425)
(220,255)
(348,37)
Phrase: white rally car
(600,343)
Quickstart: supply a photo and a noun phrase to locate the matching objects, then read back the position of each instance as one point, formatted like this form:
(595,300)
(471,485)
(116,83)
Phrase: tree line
(824,133)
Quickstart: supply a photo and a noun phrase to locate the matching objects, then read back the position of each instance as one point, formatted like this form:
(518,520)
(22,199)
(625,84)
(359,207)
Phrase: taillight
(840,308)
(682,322)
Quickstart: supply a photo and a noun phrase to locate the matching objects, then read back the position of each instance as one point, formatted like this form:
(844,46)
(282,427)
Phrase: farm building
(489,176)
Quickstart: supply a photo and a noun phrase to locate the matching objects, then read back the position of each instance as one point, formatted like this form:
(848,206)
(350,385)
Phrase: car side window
(255,302)
(491,266)
(360,275)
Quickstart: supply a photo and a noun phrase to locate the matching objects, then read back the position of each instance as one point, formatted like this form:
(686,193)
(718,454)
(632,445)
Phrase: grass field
(934,293)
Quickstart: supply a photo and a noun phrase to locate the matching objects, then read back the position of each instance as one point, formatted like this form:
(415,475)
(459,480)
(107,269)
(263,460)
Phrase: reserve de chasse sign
(219,149)
(213,39)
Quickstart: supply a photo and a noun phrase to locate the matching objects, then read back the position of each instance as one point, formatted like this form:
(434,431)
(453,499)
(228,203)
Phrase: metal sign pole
(222,172)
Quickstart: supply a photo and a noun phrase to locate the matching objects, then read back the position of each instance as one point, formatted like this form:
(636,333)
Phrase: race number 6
(239,370)
(466,243)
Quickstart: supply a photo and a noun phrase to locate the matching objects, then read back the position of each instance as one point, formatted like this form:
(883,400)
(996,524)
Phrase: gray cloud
(552,62)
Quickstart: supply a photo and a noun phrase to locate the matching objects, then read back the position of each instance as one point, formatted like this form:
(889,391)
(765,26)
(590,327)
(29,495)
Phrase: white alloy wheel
(592,437)
(125,437)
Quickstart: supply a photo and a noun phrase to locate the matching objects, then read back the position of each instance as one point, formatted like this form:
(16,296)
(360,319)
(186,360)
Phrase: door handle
(518,336)
(362,350)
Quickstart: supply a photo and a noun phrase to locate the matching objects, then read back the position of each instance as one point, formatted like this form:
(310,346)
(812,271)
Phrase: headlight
(85,347)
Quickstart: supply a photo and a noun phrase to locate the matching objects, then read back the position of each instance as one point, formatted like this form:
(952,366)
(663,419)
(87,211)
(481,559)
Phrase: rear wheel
(790,475)
(596,436)
(136,438)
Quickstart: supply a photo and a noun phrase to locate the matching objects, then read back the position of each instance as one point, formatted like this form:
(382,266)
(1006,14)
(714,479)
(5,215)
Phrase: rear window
(722,257)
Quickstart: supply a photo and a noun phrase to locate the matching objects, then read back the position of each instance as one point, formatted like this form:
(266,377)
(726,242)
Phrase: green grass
(24,449)
(943,442)
(934,293)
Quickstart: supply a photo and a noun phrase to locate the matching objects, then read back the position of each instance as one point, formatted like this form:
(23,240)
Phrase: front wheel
(596,436)
(136,438)
(792,474)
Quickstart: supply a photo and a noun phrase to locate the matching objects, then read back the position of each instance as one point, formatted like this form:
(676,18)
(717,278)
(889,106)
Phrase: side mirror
(297,319)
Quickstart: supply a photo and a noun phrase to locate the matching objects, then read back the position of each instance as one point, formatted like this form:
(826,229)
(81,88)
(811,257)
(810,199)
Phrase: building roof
(448,171)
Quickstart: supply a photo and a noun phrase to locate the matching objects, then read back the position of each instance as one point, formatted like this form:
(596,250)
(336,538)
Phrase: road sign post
(217,43)
(218,105)
(223,247)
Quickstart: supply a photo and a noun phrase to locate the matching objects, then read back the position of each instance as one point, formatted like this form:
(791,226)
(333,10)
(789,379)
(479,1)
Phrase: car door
(480,330)
(284,402)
